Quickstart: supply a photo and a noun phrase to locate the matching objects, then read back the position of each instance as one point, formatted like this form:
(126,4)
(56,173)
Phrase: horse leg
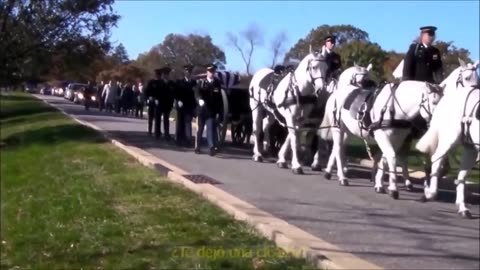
(379,162)
(281,162)
(267,123)
(338,148)
(257,129)
(468,161)
(406,176)
(388,151)
(296,166)
(316,158)
(444,145)
(344,154)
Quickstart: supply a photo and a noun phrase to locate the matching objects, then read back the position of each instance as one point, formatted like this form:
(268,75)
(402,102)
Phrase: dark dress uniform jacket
(211,93)
(422,63)
(153,89)
(334,63)
(184,92)
(166,95)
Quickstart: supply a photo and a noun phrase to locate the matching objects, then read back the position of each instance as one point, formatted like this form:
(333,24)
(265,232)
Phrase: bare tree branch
(253,37)
(277,46)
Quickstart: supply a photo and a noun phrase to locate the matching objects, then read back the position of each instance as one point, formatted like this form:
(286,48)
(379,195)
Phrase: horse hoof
(423,199)
(297,171)
(316,168)
(465,214)
(344,183)
(282,165)
(394,194)
(380,190)
(409,188)
(258,159)
(328,176)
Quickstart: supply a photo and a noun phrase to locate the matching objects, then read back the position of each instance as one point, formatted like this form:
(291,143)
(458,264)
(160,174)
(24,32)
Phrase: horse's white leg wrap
(468,161)
(404,163)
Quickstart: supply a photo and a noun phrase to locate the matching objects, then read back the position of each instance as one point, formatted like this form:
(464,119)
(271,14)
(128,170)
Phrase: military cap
(428,29)
(166,70)
(212,67)
(330,38)
(188,67)
(278,68)
(158,71)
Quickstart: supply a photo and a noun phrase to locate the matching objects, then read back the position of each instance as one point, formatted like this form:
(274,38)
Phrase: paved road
(403,234)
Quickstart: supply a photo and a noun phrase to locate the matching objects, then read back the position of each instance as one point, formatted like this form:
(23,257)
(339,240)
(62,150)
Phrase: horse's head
(314,66)
(468,73)
(355,75)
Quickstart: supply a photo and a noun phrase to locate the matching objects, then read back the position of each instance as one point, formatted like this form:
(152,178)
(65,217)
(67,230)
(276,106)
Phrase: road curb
(286,236)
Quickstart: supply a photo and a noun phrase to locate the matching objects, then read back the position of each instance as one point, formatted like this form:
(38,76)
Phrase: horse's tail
(428,143)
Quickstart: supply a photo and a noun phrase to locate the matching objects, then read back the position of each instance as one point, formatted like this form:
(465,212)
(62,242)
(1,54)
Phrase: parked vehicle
(71,90)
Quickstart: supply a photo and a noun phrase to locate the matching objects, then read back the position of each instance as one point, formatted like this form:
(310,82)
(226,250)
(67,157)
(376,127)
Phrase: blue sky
(392,24)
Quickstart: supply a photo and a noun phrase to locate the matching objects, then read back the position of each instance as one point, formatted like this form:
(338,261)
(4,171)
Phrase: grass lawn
(70,200)
(356,148)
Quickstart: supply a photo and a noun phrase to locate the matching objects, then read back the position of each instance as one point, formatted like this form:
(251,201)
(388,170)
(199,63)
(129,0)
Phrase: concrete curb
(286,236)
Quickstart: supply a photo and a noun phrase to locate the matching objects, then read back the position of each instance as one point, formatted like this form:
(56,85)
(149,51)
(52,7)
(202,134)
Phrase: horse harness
(360,103)
(467,118)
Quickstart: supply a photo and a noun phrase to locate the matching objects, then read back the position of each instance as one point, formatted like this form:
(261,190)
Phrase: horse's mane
(453,76)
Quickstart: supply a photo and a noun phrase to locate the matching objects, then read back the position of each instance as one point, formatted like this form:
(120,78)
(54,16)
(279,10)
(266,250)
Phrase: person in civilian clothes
(151,95)
(209,98)
(185,105)
(165,105)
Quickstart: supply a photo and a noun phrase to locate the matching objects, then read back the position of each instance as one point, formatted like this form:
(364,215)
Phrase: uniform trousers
(183,129)
(211,123)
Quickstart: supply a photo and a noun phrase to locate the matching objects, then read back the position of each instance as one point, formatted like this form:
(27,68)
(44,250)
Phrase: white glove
(201,102)
(180,104)
(156,101)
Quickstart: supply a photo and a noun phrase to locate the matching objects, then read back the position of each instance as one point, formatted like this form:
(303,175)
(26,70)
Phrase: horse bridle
(460,75)
(312,78)
(426,99)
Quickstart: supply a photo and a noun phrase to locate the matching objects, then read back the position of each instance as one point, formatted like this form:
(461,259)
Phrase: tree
(345,34)
(177,50)
(276,46)
(125,73)
(120,54)
(364,53)
(33,31)
(450,55)
(253,37)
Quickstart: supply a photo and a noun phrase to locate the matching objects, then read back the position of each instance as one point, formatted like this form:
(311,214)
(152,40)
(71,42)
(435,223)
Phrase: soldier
(165,104)
(209,98)
(333,59)
(423,62)
(152,94)
(185,105)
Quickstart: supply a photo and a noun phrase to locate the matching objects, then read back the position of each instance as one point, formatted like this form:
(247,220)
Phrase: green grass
(356,148)
(70,200)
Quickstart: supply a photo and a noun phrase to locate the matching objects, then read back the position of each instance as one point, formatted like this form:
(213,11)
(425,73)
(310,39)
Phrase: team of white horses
(448,109)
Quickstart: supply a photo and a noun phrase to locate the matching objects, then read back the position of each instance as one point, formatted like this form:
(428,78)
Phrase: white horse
(349,80)
(294,98)
(449,85)
(384,116)
(455,120)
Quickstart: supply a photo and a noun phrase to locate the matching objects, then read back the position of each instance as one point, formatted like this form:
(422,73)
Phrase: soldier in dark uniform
(185,104)
(151,95)
(209,98)
(333,59)
(165,103)
(423,62)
